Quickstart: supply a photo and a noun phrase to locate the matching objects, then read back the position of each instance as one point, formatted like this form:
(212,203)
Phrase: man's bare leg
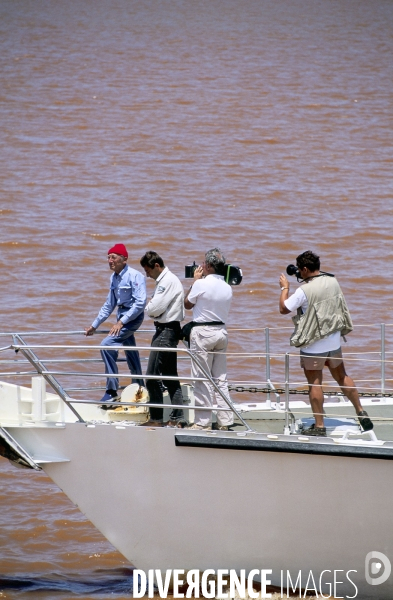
(346,384)
(349,389)
(314,379)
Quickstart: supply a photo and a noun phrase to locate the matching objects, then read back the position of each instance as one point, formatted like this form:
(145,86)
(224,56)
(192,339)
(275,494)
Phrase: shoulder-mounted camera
(232,274)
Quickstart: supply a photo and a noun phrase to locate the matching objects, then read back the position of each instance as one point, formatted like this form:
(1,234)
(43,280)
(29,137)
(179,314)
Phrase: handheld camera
(293,270)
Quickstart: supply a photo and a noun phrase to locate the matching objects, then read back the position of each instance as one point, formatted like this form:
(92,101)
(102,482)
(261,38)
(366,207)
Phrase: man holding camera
(210,297)
(322,317)
(167,309)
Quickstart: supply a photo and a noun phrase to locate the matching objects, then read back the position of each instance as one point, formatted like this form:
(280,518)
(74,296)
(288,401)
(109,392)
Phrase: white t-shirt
(331,342)
(212,298)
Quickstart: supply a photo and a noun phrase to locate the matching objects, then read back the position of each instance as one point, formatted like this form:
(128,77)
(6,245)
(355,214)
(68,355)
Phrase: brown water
(262,127)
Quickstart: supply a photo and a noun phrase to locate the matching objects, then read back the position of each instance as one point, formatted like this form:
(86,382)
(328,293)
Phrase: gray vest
(327,312)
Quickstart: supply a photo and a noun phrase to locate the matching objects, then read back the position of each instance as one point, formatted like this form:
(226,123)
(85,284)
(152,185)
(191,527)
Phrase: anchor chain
(266,390)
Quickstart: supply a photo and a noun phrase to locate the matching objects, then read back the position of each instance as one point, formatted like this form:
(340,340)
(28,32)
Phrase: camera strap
(321,274)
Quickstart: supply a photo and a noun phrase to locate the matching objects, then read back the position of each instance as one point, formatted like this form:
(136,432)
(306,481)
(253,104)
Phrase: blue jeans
(125,338)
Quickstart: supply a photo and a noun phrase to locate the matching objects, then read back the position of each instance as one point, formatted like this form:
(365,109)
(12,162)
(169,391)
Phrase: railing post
(382,358)
(267,348)
(41,370)
(286,428)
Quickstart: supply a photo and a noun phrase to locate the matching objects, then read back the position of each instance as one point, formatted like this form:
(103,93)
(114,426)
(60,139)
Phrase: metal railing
(382,353)
(40,367)
(28,352)
(41,370)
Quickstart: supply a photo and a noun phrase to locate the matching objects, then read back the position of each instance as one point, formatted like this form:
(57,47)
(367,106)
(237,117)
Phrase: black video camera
(232,275)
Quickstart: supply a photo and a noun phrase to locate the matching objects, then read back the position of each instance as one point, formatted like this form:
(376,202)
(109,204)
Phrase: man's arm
(187,304)
(198,273)
(89,330)
(138,293)
(284,285)
(163,297)
(105,311)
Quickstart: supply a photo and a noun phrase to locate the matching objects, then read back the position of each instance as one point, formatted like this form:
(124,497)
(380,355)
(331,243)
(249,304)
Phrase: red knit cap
(119,249)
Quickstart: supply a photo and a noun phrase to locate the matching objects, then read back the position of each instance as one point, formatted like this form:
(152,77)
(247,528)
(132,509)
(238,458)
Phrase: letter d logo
(374,562)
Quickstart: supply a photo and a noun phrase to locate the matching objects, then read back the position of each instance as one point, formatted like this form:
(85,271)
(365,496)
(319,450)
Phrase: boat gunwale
(293,446)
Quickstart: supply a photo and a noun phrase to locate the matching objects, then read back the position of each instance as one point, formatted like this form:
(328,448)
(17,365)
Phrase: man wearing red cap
(127,293)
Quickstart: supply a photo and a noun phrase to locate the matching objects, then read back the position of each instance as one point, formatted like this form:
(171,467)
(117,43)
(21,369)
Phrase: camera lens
(292,270)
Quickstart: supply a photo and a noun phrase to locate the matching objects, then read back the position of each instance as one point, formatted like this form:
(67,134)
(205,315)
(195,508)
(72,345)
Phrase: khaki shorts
(316,362)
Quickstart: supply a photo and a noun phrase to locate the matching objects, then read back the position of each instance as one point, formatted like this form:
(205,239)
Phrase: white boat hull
(166,506)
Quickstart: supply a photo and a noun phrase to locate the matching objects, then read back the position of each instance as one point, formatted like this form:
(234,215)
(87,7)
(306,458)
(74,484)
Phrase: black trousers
(164,363)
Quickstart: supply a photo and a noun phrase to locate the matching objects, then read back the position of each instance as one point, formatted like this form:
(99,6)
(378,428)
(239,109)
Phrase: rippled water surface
(262,127)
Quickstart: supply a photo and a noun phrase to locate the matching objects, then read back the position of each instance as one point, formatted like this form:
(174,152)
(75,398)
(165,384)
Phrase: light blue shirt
(127,293)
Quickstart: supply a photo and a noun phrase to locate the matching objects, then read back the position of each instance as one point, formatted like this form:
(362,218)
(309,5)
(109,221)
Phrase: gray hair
(215,259)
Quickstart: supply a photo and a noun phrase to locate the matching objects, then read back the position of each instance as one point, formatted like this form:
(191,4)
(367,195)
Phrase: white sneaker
(200,427)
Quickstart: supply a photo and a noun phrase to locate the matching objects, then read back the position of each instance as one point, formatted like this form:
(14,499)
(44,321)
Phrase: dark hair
(215,259)
(149,259)
(310,260)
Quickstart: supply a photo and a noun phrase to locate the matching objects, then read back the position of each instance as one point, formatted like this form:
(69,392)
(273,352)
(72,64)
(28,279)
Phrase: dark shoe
(151,423)
(365,422)
(177,424)
(218,427)
(317,431)
(109,396)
